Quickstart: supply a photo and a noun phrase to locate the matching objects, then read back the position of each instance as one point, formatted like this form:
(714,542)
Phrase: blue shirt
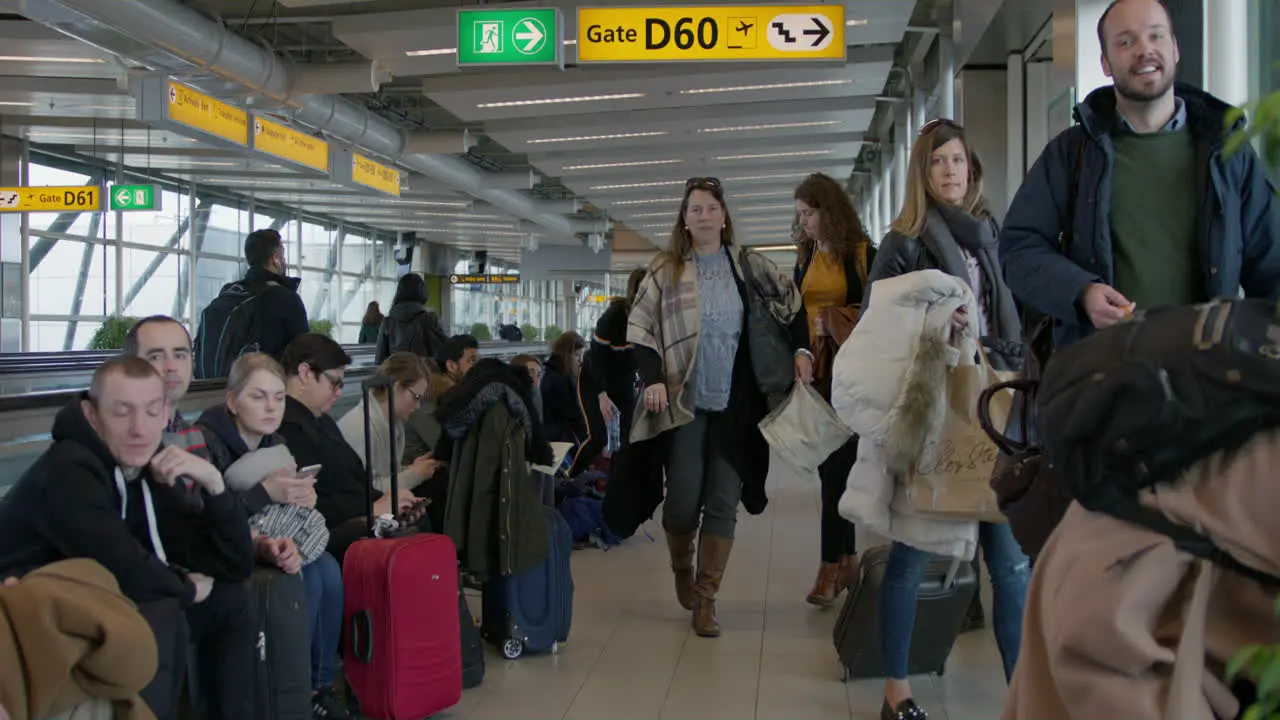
(722,315)
(1176,123)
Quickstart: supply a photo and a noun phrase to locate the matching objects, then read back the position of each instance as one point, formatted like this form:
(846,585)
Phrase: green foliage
(110,335)
(530,332)
(552,332)
(481,332)
(1260,663)
(322,327)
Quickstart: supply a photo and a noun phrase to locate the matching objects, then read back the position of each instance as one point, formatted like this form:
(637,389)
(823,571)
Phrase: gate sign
(717,33)
(524,36)
(75,198)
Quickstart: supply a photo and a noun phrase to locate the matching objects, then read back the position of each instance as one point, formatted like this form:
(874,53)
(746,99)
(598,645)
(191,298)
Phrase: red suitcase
(403,651)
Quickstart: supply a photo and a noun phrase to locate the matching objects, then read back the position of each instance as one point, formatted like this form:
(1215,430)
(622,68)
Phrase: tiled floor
(632,655)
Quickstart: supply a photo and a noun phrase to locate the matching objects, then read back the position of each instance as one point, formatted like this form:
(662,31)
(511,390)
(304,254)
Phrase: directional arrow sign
(495,36)
(820,29)
(530,35)
(75,198)
(791,32)
(128,198)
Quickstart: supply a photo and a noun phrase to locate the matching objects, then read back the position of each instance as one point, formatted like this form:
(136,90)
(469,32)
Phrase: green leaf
(1269,680)
(1242,658)
(1254,713)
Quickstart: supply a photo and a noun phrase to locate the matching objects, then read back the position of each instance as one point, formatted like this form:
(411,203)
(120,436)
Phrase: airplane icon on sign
(744,26)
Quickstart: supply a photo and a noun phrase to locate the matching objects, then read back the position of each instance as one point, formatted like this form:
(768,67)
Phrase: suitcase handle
(362,636)
(379,381)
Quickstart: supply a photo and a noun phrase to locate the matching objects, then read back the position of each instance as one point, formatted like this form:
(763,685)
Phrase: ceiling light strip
(769,86)
(771,126)
(593,138)
(554,101)
(761,156)
(634,163)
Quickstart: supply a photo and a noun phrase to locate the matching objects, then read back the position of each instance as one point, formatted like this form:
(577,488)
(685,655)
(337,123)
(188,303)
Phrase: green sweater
(1154,235)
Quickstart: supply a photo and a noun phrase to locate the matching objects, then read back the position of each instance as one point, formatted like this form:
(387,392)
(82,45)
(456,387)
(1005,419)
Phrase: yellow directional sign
(375,175)
(73,198)
(289,144)
(206,114)
(716,33)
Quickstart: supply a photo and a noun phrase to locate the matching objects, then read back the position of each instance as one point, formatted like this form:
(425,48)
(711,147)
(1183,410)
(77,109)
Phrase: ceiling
(759,127)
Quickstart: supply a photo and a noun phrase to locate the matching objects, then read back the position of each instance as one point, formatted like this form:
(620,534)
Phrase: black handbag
(767,338)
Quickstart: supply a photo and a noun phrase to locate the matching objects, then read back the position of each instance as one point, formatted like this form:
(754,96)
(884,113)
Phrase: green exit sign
(134,197)
(525,36)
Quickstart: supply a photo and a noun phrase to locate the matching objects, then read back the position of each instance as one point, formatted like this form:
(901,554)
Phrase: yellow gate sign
(716,33)
(73,198)
(375,175)
(207,114)
(288,144)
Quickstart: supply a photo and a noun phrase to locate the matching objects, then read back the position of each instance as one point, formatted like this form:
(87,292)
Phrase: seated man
(107,490)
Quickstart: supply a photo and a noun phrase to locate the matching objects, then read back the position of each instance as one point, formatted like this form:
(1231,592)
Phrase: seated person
(314,367)
(420,475)
(453,361)
(561,409)
(108,490)
(243,445)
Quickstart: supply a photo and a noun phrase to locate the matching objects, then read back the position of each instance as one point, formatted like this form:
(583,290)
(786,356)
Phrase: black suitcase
(282,650)
(472,645)
(941,606)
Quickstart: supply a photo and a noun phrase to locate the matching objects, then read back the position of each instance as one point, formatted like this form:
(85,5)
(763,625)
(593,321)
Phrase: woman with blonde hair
(832,260)
(244,444)
(408,373)
(944,225)
(703,396)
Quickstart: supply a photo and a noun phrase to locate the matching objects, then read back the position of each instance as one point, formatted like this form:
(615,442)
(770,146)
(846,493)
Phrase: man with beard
(1138,206)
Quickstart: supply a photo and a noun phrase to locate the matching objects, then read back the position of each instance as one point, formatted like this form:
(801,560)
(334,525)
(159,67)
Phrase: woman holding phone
(243,443)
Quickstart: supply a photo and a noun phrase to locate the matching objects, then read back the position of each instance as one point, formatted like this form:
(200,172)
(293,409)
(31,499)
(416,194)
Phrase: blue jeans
(323,579)
(1010,574)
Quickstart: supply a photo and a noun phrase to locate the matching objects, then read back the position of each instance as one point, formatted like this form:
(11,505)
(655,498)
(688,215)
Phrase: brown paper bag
(952,477)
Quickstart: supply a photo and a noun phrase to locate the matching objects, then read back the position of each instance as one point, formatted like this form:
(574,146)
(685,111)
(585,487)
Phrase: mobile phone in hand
(309,471)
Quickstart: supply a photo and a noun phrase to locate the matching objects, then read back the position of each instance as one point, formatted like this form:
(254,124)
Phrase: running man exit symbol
(489,39)
(742,33)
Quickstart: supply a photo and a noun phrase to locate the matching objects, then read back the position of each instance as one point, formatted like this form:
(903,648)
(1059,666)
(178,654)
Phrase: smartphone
(310,471)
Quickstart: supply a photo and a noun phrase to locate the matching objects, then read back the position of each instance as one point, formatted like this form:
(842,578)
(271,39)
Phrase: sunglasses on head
(940,122)
(701,183)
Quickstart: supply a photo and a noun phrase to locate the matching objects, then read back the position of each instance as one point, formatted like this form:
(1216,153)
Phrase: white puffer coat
(889,385)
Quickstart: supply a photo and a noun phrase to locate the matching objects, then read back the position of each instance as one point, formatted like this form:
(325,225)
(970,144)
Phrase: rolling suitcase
(403,651)
(282,651)
(472,646)
(531,611)
(941,605)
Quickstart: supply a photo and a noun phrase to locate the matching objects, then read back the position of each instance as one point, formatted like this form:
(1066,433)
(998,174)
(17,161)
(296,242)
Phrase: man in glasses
(1139,207)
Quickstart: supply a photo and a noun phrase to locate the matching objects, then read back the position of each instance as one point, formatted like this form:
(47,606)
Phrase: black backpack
(418,335)
(231,326)
(1136,405)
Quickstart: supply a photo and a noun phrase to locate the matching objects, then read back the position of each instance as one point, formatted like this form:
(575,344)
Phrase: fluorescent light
(33,59)
(770,86)
(633,163)
(591,138)
(774,193)
(9,103)
(633,186)
(760,156)
(771,126)
(856,22)
(209,163)
(764,208)
(650,215)
(783,176)
(650,201)
(452,51)
(554,101)
(758,220)
(772,248)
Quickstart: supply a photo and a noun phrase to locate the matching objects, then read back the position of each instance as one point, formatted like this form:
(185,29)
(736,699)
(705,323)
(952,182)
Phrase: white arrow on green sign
(126,198)
(524,36)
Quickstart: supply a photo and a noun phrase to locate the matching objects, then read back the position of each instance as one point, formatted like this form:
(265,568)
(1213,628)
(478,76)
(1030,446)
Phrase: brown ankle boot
(713,556)
(847,577)
(681,547)
(825,587)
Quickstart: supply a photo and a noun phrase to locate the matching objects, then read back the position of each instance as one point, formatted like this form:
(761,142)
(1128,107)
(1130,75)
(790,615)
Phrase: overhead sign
(126,198)
(484,279)
(207,114)
(524,36)
(717,33)
(288,144)
(74,198)
(374,175)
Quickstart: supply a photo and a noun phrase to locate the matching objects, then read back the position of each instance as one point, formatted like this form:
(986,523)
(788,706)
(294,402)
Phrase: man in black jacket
(1161,215)
(108,490)
(284,316)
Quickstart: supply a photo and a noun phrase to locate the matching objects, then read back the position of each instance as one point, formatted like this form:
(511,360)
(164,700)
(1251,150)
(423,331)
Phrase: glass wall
(527,303)
(87,267)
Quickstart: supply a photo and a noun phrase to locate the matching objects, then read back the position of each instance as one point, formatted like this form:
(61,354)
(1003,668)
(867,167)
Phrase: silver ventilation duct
(170,37)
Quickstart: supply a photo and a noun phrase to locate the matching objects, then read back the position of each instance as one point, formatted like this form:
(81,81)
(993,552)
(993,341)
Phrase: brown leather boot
(826,586)
(713,556)
(847,577)
(681,547)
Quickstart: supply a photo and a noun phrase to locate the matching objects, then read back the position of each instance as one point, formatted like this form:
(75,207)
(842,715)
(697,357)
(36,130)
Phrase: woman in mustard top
(833,254)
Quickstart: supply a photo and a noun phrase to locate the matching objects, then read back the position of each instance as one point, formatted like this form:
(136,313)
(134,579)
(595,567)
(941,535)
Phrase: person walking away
(944,225)
(831,271)
(701,396)
(409,325)
(1161,215)
(370,324)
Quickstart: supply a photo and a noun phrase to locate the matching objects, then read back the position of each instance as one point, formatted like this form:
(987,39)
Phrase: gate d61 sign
(716,33)
(76,198)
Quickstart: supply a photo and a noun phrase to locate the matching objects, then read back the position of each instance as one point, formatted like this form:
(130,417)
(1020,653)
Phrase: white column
(1016,108)
(872,203)
(946,76)
(1226,53)
(886,197)
(903,135)
(24,178)
(1077,54)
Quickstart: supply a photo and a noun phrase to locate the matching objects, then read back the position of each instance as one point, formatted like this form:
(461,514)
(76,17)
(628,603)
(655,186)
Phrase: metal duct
(132,28)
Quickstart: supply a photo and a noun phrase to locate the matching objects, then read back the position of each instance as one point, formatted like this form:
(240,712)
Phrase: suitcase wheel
(844,673)
(555,647)
(512,648)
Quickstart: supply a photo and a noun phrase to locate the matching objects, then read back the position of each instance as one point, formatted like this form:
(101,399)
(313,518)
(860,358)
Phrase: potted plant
(110,335)
(481,332)
(552,332)
(322,327)
(530,332)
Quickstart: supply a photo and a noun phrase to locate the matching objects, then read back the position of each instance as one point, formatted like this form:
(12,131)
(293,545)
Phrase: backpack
(1134,406)
(231,326)
(417,335)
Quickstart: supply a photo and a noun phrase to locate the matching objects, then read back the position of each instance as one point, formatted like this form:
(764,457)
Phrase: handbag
(769,342)
(951,479)
(804,430)
(839,322)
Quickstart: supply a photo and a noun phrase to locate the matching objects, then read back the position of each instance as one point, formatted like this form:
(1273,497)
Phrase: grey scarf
(946,230)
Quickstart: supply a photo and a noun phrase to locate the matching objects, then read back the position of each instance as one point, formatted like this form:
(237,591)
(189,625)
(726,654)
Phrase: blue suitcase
(531,611)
